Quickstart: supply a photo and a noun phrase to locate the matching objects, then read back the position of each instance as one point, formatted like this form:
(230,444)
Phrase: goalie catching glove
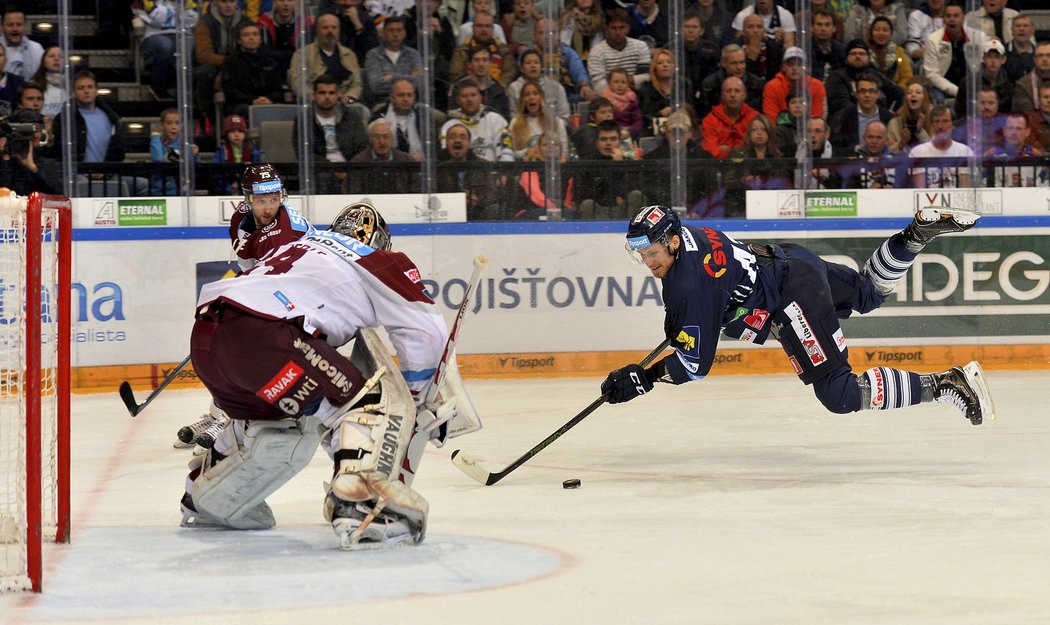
(625,384)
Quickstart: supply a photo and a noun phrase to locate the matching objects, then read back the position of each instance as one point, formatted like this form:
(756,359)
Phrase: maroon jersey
(251,242)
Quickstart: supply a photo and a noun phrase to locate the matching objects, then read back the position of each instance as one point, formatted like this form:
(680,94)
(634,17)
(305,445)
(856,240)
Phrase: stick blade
(467,464)
(128,397)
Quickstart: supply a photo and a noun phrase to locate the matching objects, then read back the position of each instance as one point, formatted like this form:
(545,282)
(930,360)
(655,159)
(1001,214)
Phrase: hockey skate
(206,439)
(931,222)
(187,434)
(359,526)
(966,389)
(258,518)
(201,434)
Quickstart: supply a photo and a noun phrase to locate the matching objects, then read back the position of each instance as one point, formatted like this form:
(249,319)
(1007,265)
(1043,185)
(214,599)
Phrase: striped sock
(892,388)
(888,264)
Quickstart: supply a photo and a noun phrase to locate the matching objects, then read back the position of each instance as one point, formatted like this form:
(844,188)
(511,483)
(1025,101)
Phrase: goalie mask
(260,179)
(652,225)
(363,222)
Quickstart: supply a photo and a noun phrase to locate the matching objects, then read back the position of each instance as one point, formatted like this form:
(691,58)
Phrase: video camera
(18,136)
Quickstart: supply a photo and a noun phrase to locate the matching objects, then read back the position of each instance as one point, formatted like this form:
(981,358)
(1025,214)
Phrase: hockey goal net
(35,255)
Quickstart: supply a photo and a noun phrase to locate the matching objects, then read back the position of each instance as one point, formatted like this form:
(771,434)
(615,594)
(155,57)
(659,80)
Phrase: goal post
(35,337)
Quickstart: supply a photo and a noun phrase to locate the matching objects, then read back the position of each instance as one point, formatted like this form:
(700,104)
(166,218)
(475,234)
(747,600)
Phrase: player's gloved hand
(433,418)
(627,383)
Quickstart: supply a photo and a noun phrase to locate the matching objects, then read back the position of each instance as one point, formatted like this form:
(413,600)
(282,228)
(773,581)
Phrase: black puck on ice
(571,483)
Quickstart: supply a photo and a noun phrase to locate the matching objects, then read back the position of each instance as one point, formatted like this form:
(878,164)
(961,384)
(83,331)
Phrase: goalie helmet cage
(35,293)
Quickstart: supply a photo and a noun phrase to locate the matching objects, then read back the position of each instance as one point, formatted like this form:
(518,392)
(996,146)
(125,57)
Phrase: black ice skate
(966,389)
(208,436)
(188,434)
(931,222)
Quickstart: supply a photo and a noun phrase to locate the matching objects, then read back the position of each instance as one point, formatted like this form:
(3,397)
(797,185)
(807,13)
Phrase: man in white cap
(993,75)
(775,93)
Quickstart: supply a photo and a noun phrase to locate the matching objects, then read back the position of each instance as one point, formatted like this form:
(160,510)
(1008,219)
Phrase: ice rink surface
(733,501)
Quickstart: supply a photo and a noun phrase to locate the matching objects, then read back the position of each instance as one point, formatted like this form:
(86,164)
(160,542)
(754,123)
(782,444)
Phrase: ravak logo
(280,383)
(688,341)
(717,257)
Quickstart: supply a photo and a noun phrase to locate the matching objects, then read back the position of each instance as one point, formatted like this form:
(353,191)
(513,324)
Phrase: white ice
(733,501)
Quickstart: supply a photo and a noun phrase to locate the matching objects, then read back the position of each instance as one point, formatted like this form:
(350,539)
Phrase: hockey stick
(128,395)
(481,263)
(467,464)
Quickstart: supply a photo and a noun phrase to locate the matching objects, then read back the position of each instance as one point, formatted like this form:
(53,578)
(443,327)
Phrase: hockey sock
(889,263)
(883,388)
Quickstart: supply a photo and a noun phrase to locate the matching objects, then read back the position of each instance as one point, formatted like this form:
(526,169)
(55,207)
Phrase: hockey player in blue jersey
(713,284)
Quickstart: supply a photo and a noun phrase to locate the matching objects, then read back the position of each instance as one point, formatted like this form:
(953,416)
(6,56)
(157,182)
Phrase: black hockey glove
(626,384)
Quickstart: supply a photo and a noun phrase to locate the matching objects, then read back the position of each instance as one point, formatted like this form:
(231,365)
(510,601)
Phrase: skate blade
(975,377)
(181,445)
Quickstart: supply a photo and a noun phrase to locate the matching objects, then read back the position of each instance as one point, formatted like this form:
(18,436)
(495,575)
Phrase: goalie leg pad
(232,492)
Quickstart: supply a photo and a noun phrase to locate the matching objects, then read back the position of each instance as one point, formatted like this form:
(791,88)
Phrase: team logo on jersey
(804,332)
(715,261)
(280,383)
(878,388)
(413,275)
(287,303)
(840,340)
(749,335)
(757,319)
(654,216)
(795,365)
(688,341)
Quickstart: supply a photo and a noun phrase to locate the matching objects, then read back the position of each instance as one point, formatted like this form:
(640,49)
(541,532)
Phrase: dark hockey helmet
(258,179)
(652,224)
(363,222)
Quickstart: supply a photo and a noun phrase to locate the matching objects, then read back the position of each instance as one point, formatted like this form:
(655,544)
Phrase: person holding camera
(21,169)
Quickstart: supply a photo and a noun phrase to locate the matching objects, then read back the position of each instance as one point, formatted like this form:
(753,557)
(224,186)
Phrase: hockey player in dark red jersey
(714,284)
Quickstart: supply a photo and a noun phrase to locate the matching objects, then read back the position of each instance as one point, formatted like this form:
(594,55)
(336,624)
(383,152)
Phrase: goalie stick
(467,464)
(128,396)
(481,263)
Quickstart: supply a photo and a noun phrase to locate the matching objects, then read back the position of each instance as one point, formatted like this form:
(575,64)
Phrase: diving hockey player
(713,283)
(264,344)
(260,224)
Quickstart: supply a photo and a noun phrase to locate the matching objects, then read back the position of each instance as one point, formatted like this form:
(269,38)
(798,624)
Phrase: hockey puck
(571,483)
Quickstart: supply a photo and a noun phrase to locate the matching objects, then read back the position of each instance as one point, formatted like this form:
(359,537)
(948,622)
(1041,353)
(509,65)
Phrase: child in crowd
(626,111)
(166,147)
(235,148)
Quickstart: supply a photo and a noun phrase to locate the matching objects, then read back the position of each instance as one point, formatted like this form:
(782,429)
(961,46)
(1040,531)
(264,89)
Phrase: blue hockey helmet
(652,224)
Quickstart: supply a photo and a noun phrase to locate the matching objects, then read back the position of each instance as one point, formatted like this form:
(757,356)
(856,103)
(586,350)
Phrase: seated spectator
(531,62)
(717,21)
(993,19)
(656,96)
(22,53)
(584,140)
(763,55)
(534,200)
(235,148)
(214,37)
(829,53)
(848,125)
(993,76)
(471,180)
(879,166)
(531,121)
(604,192)
(940,146)
(479,7)
(338,134)
(774,95)
(565,65)
(166,147)
(887,56)
(357,27)
(503,67)
(758,145)
(53,81)
(618,51)
(327,56)
(726,125)
(822,177)
(838,9)
(626,111)
(407,118)
(392,61)
(492,93)
(841,85)
(280,33)
(986,126)
(1026,95)
(700,57)
(921,24)
(489,129)
(160,19)
(733,63)
(22,168)
(250,77)
(678,134)
(944,59)
(9,84)
(777,21)
(520,26)
(1020,52)
(1015,145)
(865,11)
(788,123)
(381,150)
(1039,122)
(582,25)
(911,125)
(648,23)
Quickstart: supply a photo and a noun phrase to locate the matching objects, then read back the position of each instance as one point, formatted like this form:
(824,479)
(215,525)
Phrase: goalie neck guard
(363,222)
